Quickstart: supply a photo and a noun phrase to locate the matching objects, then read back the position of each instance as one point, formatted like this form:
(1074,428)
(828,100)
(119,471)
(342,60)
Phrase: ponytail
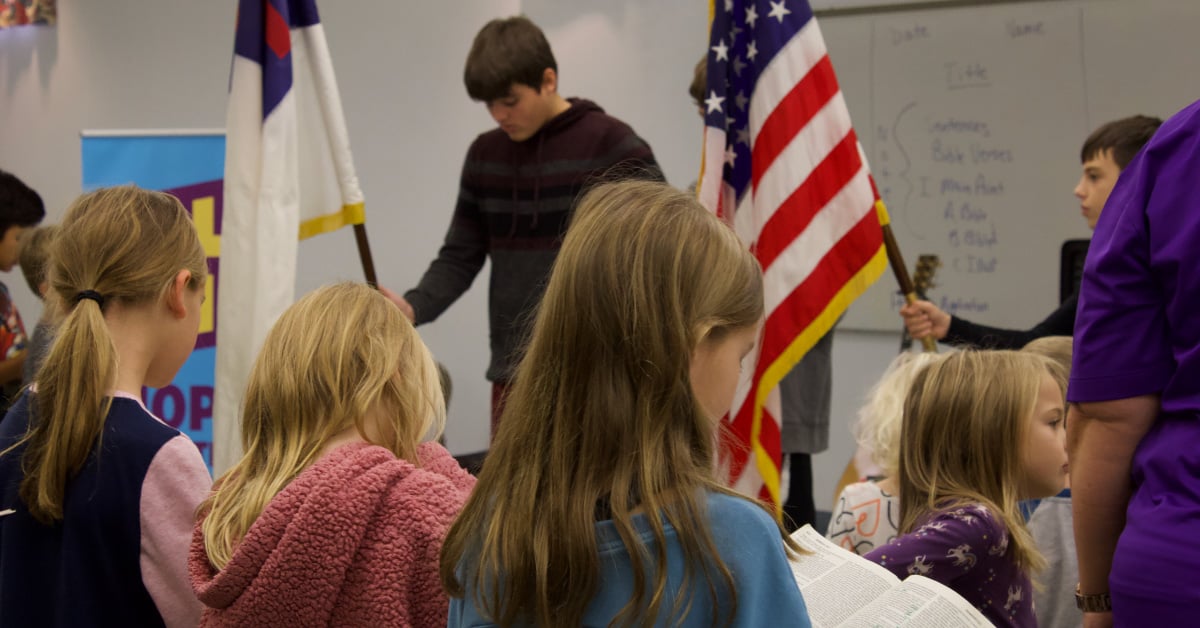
(121,247)
(72,402)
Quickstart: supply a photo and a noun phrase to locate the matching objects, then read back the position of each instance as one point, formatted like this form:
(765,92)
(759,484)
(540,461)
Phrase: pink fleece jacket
(352,541)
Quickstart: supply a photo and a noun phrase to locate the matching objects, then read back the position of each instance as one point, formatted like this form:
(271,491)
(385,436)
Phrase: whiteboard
(869,5)
(972,119)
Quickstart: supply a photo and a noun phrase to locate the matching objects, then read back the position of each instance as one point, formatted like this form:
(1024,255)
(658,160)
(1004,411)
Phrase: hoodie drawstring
(537,186)
(537,181)
(512,151)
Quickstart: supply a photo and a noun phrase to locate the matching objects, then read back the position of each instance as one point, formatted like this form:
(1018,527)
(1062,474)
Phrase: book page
(918,601)
(836,582)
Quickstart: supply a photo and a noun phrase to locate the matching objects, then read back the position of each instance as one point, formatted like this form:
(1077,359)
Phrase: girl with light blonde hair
(600,502)
(866,514)
(1057,348)
(982,430)
(97,495)
(337,510)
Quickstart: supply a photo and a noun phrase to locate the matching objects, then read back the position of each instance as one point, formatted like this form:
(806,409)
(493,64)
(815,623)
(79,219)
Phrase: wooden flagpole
(896,259)
(364,254)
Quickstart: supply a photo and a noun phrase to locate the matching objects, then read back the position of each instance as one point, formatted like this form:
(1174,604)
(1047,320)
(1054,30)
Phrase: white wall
(142,64)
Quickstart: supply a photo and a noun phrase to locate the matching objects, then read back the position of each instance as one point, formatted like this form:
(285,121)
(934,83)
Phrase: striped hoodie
(514,204)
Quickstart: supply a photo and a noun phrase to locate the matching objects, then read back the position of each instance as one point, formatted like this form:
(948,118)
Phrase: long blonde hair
(127,245)
(965,420)
(602,422)
(880,418)
(338,355)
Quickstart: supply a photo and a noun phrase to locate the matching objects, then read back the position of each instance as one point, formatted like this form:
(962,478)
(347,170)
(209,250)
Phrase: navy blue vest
(84,570)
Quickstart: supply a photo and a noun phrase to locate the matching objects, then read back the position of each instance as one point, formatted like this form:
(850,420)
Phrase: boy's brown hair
(506,52)
(20,205)
(1124,137)
(35,255)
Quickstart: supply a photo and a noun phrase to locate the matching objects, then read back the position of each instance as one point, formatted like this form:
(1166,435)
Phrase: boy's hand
(923,318)
(400,303)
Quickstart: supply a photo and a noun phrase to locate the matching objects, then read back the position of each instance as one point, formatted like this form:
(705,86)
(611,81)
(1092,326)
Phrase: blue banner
(192,168)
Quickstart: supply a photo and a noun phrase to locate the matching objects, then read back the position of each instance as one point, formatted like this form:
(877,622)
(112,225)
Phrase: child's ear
(549,81)
(177,293)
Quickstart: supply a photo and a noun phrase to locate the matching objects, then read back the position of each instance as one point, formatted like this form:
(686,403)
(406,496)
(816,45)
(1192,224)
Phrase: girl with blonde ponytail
(98,494)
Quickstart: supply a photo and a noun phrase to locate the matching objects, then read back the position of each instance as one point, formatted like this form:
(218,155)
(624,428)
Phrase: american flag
(782,164)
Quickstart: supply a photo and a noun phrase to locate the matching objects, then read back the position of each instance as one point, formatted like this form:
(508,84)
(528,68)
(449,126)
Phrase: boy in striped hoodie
(518,187)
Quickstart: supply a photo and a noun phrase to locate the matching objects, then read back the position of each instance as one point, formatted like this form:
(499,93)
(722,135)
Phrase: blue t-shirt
(749,544)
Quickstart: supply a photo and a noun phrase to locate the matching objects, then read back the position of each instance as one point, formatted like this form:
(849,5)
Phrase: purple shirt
(1137,331)
(966,549)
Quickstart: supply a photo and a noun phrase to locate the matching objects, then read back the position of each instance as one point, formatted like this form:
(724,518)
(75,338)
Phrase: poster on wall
(191,166)
(27,12)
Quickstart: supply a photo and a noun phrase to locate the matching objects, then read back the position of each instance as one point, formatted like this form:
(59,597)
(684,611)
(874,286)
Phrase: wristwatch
(1093,602)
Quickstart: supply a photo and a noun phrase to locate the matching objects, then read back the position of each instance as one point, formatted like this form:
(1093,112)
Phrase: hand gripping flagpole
(896,259)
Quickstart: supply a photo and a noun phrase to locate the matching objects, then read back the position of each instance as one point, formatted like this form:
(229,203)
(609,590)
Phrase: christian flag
(288,175)
(782,164)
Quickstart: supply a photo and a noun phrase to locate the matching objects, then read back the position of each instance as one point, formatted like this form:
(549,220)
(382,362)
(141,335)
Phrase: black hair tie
(91,295)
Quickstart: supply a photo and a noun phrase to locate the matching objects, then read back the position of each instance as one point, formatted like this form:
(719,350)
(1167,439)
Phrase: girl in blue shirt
(600,502)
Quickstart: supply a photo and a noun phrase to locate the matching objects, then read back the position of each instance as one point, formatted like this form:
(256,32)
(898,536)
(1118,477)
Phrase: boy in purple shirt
(1134,428)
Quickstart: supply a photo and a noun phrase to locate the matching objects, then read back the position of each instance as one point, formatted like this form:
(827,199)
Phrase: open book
(842,588)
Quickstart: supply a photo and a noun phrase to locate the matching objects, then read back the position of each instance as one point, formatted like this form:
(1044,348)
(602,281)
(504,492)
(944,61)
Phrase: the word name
(1017,29)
